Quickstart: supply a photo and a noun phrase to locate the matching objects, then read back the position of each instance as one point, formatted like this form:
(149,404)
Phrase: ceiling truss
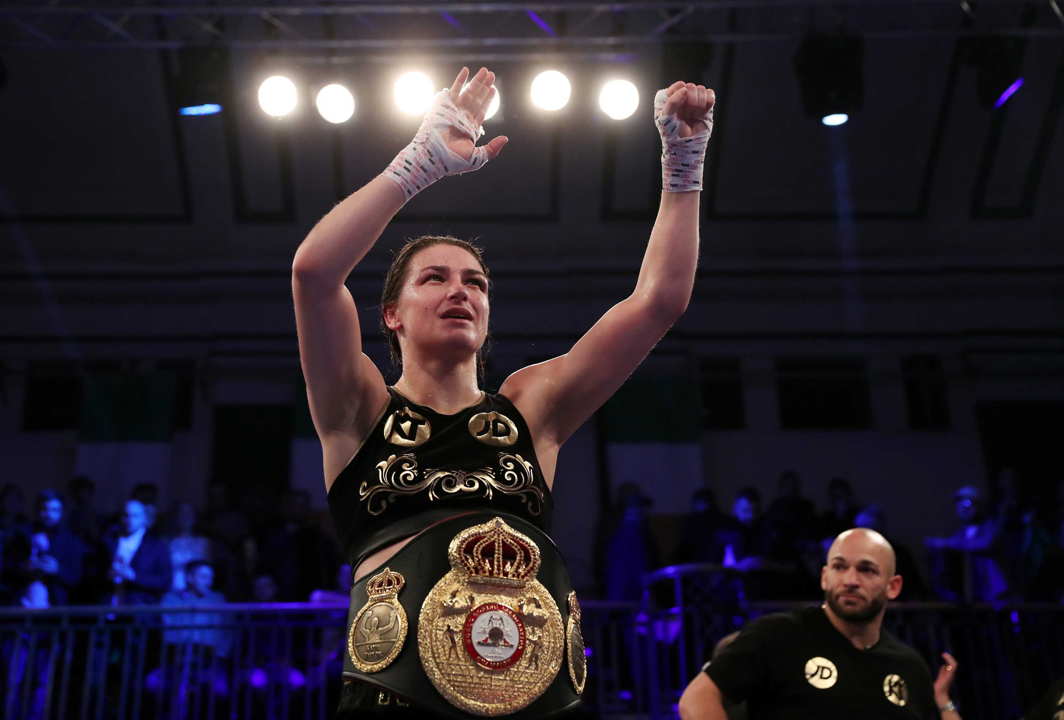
(371,30)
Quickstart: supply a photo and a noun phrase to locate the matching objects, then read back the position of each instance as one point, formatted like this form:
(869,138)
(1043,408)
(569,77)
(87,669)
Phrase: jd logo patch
(493,428)
(821,673)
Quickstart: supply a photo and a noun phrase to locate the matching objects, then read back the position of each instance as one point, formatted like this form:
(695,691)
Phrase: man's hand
(946,673)
(689,103)
(121,572)
(47,564)
(474,102)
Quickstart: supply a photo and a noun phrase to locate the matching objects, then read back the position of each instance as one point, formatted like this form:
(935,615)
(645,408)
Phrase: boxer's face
(443,304)
(859,577)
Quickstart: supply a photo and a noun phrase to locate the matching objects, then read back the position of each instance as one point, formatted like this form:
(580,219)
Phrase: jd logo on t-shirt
(895,689)
(821,673)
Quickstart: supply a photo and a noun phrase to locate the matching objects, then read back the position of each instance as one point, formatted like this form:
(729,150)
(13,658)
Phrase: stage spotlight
(493,106)
(551,90)
(278,96)
(619,99)
(335,103)
(998,61)
(413,93)
(201,80)
(829,70)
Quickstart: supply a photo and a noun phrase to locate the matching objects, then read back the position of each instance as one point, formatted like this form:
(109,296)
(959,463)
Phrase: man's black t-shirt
(1051,707)
(797,665)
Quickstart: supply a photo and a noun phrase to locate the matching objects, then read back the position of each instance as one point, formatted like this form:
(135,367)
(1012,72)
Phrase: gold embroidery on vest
(399,475)
(519,478)
(459,482)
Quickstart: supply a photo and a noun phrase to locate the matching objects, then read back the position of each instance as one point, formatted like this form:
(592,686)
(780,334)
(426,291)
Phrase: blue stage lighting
(1009,92)
(205,109)
(202,81)
(998,63)
(835,119)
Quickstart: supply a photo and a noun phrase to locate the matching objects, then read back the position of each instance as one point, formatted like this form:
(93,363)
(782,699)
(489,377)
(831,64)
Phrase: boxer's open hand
(474,102)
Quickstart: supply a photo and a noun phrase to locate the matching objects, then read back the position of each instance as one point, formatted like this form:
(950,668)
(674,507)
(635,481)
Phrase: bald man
(832,661)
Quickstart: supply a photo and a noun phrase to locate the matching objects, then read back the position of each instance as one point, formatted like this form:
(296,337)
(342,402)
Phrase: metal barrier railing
(261,662)
(277,661)
(283,661)
(617,649)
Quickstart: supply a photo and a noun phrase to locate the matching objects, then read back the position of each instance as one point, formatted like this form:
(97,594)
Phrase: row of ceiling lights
(413,91)
(828,68)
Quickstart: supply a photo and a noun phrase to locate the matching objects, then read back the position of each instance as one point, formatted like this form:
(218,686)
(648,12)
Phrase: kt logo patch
(407,428)
(896,690)
(821,673)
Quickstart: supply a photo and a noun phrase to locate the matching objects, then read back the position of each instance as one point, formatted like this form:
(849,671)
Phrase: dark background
(880,301)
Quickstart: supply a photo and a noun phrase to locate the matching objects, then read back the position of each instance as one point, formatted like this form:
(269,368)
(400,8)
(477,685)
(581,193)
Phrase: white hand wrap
(681,158)
(427,158)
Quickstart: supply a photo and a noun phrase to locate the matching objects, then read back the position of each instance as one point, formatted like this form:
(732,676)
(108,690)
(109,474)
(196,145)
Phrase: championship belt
(496,619)
(489,634)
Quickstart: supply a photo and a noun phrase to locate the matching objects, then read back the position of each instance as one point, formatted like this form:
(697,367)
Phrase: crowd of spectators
(63,551)
(1002,549)
(1008,550)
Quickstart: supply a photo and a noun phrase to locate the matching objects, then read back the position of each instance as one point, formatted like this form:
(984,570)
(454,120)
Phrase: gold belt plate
(379,629)
(574,646)
(490,635)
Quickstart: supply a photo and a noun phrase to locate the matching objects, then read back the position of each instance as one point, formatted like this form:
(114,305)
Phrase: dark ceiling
(90,141)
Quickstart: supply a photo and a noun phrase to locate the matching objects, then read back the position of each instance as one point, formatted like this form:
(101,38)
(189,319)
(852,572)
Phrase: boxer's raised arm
(344,388)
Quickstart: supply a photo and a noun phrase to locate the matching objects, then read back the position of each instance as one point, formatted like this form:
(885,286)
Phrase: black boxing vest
(418,467)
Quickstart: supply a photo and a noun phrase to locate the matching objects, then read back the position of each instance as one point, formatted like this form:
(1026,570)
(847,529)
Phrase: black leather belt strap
(399,530)
(422,563)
